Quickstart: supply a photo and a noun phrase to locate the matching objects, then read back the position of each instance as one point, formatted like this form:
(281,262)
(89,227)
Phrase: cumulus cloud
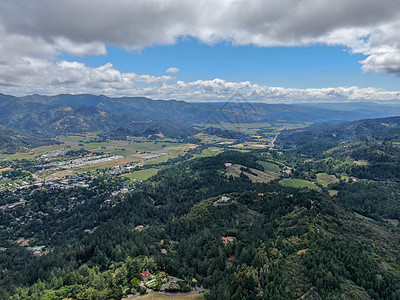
(35,34)
(45,77)
(79,49)
(84,27)
(172,70)
(220,90)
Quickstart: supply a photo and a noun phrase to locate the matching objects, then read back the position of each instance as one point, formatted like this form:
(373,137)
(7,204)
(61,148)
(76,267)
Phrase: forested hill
(239,239)
(321,137)
(12,141)
(154,129)
(366,149)
(54,119)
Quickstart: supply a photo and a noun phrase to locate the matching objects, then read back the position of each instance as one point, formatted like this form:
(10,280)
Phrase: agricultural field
(333,193)
(259,135)
(209,152)
(270,167)
(361,162)
(123,148)
(254,175)
(326,179)
(298,183)
(154,296)
(59,174)
(139,150)
(212,139)
(142,174)
(251,145)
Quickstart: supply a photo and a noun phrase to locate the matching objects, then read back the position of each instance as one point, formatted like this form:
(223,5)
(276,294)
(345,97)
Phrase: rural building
(145,274)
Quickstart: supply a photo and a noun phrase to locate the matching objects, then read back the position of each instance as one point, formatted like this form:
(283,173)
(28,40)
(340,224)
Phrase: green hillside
(13,141)
(237,238)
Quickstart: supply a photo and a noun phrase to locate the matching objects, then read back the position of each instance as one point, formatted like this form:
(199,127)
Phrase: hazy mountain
(370,109)
(321,137)
(235,110)
(55,118)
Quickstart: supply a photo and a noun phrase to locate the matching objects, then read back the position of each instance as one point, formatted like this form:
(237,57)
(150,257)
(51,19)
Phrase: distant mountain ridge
(234,110)
(321,137)
(118,118)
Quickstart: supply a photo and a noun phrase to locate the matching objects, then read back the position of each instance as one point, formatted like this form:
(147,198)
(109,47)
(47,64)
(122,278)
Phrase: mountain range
(236,109)
(44,117)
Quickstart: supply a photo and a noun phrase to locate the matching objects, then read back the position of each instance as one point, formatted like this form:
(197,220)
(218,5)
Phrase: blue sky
(316,66)
(269,51)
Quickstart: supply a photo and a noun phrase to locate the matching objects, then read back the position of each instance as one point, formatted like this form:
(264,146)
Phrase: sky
(274,51)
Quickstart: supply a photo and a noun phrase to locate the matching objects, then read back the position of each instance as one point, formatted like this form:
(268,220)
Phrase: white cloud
(85,27)
(172,70)
(31,75)
(220,90)
(34,35)
(80,49)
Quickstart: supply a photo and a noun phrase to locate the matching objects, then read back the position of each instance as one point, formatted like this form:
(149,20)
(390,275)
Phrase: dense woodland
(237,238)
(270,224)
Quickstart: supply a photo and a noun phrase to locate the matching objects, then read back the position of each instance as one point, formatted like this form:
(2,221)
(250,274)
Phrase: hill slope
(242,240)
(321,137)
(12,141)
(55,119)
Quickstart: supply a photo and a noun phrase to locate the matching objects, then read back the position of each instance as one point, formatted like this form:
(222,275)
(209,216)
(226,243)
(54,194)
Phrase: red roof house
(145,274)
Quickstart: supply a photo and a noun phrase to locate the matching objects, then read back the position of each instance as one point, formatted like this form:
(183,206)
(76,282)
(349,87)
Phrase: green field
(326,179)
(265,177)
(211,151)
(123,148)
(333,193)
(142,174)
(154,296)
(270,167)
(132,150)
(298,183)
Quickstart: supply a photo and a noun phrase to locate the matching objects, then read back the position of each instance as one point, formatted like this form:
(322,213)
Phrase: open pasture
(298,183)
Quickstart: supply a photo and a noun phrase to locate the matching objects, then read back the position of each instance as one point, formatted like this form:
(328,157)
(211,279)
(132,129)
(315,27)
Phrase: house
(228,239)
(39,248)
(353,179)
(139,228)
(145,274)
